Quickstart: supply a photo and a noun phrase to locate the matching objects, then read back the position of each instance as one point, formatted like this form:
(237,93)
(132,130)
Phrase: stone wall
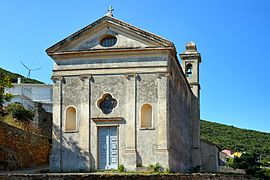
(20,149)
(127,176)
(71,149)
(75,147)
(76,153)
(180,116)
(78,150)
(150,140)
(43,120)
(209,156)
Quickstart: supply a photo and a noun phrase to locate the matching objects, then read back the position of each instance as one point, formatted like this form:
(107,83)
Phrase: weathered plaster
(141,68)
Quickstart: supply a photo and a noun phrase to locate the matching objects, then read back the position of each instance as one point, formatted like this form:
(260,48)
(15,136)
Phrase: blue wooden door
(108,148)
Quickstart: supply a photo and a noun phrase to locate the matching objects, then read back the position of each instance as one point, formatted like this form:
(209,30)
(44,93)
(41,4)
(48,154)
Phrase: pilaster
(56,159)
(162,127)
(85,124)
(131,95)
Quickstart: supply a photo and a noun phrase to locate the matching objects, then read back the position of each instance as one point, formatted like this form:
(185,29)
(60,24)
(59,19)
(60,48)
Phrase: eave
(110,51)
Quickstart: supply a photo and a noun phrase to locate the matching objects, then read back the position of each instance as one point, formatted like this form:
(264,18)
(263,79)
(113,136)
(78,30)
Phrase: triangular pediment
(128,37)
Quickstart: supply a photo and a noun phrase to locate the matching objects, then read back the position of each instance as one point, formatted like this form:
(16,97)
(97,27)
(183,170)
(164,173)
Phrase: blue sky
(231,35)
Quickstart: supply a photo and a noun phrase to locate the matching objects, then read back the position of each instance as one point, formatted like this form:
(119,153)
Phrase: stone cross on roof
(110,10)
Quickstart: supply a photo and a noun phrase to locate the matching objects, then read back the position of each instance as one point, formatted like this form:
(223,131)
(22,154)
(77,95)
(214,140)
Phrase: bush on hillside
(266,162)
(250,163)
(4,97)
(247,161)
(20,113)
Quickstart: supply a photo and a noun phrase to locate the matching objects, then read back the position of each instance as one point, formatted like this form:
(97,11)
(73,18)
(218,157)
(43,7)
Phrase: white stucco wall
(28,94)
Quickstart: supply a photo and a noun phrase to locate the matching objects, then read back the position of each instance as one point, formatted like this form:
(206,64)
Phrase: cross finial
(110,10)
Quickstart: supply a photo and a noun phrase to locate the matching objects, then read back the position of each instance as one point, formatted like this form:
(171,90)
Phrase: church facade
(121,97)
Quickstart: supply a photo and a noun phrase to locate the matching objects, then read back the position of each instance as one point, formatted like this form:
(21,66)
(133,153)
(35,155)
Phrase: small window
(107,103)
(71,119)
(108,41)
(146,116)
(189,70)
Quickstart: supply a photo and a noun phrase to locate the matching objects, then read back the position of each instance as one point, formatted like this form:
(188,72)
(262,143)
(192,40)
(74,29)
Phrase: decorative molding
(162,150)
(86,76)
(130,151)
(57,78)
(107,119)
(194,84)
(147,128)
(160,75)
(191,57)
(131,75)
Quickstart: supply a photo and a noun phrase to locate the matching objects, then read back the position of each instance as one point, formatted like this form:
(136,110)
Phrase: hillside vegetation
(14,77)
(236,139)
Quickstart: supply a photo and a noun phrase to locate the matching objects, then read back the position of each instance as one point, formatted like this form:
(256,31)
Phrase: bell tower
(191,60)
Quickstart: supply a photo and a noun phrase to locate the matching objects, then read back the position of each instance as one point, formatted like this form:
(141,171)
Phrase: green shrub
(4,97)
(250,163)
(246,161)
(121,168)
(157,167)
(259,173)
(267,173)
(266,162)
(19,112)
(229,162)
(168,171)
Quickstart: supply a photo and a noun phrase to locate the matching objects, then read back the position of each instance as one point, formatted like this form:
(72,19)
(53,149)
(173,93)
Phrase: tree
(266,162)
(247,161)
(250,163)
(5,82)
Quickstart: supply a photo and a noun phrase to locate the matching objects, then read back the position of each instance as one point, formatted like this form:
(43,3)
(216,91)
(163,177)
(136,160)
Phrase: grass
(8,119)
(112,172)
(115,171)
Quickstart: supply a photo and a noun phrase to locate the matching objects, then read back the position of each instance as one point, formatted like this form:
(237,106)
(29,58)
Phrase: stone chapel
(121,97)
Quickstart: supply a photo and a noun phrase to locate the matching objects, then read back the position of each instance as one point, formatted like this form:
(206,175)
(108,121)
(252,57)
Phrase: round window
(108,41)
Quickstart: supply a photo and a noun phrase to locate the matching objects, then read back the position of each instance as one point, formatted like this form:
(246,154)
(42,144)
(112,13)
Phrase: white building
(29,94)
